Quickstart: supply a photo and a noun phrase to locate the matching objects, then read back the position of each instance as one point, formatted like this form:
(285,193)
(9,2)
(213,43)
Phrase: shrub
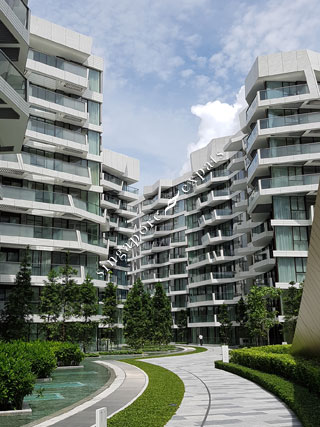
(39,354)
(42,358)
(302,401)
(16,380)
(295,368)
(67,354)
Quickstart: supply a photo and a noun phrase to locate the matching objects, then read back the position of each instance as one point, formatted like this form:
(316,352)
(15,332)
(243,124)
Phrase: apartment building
(249,218)
(119,174)
(14,45)
(50,191)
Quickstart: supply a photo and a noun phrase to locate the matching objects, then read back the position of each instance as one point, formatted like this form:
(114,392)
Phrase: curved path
(129,383)
(218,398)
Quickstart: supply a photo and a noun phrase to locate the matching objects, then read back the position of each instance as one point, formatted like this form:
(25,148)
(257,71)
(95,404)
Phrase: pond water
(68,386)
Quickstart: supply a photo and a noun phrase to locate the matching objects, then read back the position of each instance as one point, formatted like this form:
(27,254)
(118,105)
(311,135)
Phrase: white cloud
(262,28)
(217,119)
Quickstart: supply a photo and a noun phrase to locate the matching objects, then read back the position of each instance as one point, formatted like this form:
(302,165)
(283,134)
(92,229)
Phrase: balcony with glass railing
(59,63)
(291,120)
(200,298)
(12,268)
(202,318)
(91,239)
(251,138)
(21,10)
(37,232)
(57,98)
(197,258)
(54,164)
(10,74)
(131,189)
(112,178)
(273,93)
(289,181)
(49,129)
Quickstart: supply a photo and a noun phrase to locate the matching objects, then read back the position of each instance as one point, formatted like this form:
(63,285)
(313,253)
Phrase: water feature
(67,387)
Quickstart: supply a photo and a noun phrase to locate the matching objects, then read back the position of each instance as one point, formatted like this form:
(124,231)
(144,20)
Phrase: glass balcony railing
(49,129)
(200,277)
(57,98)
(130,189)
(111,199)
(223,212)
(198,258)
(202,318)
(259,229)
(113,179)
(128,208)
(252,137)
(87,206)
(9,158)
(12,268)
(253,165)
(53,61)
(35,195)
(55,164)
(20,10)
(37,232)
(295,119)
(91,239)
(290,150)
(223,275)
(200,298)
(281,92)
(252,108)
(289,181)
(12,76)
(221,193)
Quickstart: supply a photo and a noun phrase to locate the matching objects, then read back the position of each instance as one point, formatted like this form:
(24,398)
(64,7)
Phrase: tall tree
(291,298)
(87,306)
(16,316)
(162,319)
(148,310)
(182,323)
(109,308)
(59,300)
(261,316)
(134,317)
(225,324)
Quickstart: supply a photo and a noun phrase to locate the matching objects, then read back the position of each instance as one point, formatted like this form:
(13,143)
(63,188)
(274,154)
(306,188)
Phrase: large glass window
(286,207)
(94,142)
(94,113)
(291,269)
(94,80)
(291,238)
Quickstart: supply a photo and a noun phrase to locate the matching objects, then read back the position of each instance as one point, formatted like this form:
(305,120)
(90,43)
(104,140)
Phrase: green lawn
(158,403)
(305,404)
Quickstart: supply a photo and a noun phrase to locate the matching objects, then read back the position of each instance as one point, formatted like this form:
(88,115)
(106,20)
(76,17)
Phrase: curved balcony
(266,157)
(267,187)
(69,77)
(66,108)
(275,93)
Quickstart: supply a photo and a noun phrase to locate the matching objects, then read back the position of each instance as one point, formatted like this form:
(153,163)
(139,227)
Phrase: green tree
(182,323)
(162,319)
(148,309)
(225,324)
(109,308)
(291,304)
(59,300)
(134,317)
(16,316)
(261,316)
(87,306)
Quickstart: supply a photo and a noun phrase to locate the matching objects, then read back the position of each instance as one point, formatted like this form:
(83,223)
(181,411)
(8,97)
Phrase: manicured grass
(304,403)
(154,407)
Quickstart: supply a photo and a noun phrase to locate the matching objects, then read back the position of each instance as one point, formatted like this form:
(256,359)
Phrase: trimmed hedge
(303,402)
(294,368)
(67,354)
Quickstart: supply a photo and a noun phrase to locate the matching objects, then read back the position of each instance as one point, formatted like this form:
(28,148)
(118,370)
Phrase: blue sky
(174,68)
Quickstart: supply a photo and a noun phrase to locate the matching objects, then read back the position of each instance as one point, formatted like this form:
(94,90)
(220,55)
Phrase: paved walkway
(218,398)
(129,383)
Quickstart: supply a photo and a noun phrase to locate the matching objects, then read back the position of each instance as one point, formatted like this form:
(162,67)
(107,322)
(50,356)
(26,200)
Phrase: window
(94,142)
(94,80)
(286,207)
(291,269)
(94,113)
